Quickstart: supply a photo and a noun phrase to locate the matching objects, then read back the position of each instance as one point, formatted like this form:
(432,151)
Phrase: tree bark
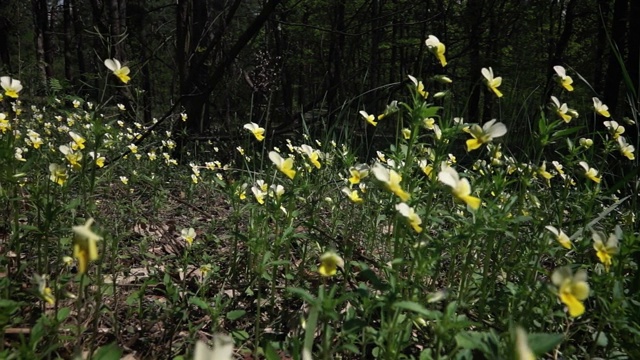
(614,70)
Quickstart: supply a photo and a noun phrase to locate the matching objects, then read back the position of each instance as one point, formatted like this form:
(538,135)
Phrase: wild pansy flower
(561,109)
(312,154)
(276,191)
(600,108)
(460,188)
(45,292)
(259,194)
(99,159)
(58,174)
(605,251)
(352,195)
(437,48)
(85,248)
(426,168)
(406,133)
(409,213)
(329,263)
(256,130)
(522,345)
(485,134)
(492,82)
(73,157)
(188,235)
(11,86)
(358,173)
(572,289)
(371,119)
(78,141)
(563,79)
(391,179)
(34,139)
(615,128)
(285,166)
(590,172)
(626,149)
(419,87)
(222,349)
(429,123)
(121,72)
(542,170)
(561,237)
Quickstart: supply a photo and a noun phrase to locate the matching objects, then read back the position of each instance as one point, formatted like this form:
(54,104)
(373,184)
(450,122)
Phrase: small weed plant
(109,245)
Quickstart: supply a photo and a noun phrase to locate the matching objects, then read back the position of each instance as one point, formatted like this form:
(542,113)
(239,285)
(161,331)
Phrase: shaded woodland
(288,64)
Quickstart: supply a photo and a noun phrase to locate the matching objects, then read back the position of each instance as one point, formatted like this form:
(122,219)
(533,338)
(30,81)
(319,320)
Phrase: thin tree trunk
(614,70)
(67,36)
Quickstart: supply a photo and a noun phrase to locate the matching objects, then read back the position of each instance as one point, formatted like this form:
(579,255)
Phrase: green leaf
(235,314)
(63,314)
(198,302)
(304,294)
(270,352)
(417,308)
(108,352)
(543,343)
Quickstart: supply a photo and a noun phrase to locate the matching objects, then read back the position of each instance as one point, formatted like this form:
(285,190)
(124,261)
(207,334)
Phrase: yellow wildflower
(285,166)
(600,108)
(256,130)
(419,87)
(413,218)
(563,79)
(11,86)
(605,251)
(484,134)
(615,128)
(561,237)
(572,289)
(188,235)
(352,195)
(461,188)
(626,149)
(85,248)
(329,263)
(437,48)
(562,110)
(58,174)
(391,179)
(358,173)
(121,72)
(371,119)
(590,172)
(312,154)
(492,82)
(522,345)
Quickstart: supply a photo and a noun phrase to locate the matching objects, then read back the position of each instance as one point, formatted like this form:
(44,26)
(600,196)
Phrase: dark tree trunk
(67,36)
(336,48)
(42,40)
(474,18)
(614,70)
(78,32)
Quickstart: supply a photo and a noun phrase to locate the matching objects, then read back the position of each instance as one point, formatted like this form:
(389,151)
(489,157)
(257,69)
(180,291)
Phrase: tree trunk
(614,70)
(42,40)
(474,19)
(67,36)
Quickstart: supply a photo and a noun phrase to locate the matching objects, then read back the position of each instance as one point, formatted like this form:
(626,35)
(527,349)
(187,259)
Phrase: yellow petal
(576,308)
(473,144)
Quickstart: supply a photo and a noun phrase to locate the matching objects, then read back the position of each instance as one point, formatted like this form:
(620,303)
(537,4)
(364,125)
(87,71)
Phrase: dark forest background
(288,64)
